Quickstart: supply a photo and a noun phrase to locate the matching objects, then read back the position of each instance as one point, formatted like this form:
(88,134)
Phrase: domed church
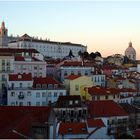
(130,52)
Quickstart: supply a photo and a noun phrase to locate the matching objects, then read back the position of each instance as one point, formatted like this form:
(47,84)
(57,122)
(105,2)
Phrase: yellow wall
(80,83)
(87,96)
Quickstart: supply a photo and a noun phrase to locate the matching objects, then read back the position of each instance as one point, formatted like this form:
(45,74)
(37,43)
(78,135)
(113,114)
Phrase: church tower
(3,36)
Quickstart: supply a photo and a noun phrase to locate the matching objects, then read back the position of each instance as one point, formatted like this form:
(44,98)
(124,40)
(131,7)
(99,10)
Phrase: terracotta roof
(137,134)
(71,97)
(19,58)
(106,108)
(63,101)
(20,77)
(45,80)
(73,128)
(96,90)
(73,77)
(95,123)
(20,119)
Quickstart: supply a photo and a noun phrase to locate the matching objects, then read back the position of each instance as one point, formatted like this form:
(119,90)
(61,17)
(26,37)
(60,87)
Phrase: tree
(98,54)
(79,53)
(71,54)
(85,55)
(92,55)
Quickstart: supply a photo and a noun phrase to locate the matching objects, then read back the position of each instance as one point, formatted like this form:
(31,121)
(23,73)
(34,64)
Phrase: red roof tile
(19,58)
(45,80)
(20,119)
(20,77)
(96,90)
(73,128)
(95,123)
(73,77)
(137,134)
(17,50)
(106,108)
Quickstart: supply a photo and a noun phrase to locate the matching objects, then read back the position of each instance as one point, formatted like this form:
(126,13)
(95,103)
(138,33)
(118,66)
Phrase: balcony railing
(21,96)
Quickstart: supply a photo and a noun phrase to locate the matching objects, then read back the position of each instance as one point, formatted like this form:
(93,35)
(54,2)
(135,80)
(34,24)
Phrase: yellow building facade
(75,86)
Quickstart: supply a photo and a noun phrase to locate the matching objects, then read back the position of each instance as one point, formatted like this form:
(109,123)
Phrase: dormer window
(44,86)
(76,102)
(70,102)
(19,76)
(38,85)
(55,86)
(50,86)
(69,130)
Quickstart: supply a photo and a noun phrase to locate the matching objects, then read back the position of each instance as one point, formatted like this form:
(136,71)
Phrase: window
(72,72)
(79,72)
(35,67)
(40,74)
(61,93)
(21,93)
(76,87)
(69,130)
(114,96)
(76,102)
(28,103)
(44,103)
(20,85)
(70,102)
(86,73)
(65,74)
(37,103)
(37,94)
(29,93)
(38,85)
(98,97)
(3,77)
(44,86)
(12,103)
(20,103)
(50,86)
(8,68)
(35,74)
(106,97)
(84,129)
(49,94)
(43,94)
(55,94)
(29,85)
(3,62)
(95,79)
(12,94)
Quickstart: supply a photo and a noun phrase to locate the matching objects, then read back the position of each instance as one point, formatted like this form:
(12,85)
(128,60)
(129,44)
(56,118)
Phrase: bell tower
(3,35)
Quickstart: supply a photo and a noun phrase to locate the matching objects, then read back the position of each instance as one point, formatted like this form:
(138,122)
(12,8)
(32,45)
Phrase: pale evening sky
(104,26)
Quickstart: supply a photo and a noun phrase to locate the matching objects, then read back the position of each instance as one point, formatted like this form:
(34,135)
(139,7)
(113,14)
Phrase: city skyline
(103,26)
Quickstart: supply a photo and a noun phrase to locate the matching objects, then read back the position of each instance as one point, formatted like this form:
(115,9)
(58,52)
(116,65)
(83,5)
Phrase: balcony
(20,96)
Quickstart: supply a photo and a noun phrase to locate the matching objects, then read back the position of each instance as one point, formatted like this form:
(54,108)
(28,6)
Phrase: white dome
(130,50)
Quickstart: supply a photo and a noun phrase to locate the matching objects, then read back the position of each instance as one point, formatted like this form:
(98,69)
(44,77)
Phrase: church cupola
(130,52)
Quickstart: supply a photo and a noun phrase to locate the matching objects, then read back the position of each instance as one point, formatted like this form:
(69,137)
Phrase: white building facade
(29,65)
(22,91)
(48,48)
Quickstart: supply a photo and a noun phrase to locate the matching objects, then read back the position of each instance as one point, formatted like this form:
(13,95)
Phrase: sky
(104,26)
